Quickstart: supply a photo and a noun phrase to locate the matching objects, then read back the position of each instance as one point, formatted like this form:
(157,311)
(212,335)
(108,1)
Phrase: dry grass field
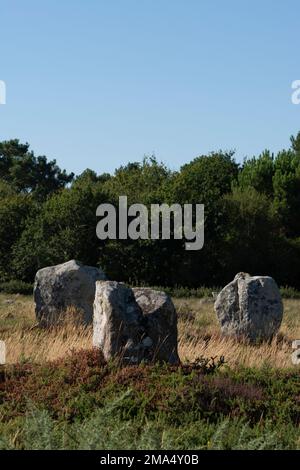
(199,335)
(56,392)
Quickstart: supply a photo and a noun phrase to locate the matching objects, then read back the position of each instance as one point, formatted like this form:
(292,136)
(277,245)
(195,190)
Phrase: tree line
(252,222)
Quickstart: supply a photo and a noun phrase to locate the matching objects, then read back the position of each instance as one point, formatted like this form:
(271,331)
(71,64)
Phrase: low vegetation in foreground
(81,402)
(58,393)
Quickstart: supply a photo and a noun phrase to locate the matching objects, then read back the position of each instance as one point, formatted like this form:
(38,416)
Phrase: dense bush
(185,292)
(16,287)
(289,293)
(210,292)
(251,218)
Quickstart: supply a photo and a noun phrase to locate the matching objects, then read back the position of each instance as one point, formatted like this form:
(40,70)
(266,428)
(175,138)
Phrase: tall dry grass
(199,335)
(197,326)
(25,340)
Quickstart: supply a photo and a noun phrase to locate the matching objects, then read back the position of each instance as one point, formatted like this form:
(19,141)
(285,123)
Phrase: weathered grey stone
(250,307)
(134,324)
(69,284)
(161,324)
(118,322)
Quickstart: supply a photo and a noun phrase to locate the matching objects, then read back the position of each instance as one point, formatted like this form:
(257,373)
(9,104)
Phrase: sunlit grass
(199,335)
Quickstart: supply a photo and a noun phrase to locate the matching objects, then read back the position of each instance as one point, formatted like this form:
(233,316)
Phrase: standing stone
(66,285)
(118,322)
(250,307)
(161,317)
(134,324)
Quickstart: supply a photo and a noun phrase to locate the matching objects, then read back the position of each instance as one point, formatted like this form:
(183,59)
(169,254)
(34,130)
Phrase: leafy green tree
(140,261)
(205,179)
(278,177)
(250,227)
(90,177)
(64,228)
(6,189)
(251,217)
(29,174)
(295,141)
(258,173)
(286,183)
(141,182)
(15,209)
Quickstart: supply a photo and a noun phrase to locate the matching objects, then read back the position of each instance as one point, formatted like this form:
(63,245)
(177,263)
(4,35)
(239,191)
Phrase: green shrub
(181,291)
(289,293)
(16,287)
(203,291)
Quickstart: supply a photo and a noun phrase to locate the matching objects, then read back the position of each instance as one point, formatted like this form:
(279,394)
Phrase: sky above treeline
(98,83)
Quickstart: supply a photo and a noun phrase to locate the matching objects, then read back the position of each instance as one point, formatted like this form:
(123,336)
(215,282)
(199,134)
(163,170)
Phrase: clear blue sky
(98,83)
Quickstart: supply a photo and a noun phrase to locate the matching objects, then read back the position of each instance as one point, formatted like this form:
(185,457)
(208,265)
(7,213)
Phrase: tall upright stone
(70,284)
(161,320)
(134,324)
(250,307)
(118,322)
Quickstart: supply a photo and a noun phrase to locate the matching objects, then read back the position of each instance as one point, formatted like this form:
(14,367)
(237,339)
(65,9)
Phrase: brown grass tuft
(199,335)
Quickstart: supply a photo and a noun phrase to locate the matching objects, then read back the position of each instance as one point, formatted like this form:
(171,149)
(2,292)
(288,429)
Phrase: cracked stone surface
(70,284)
(134,324)
(250,307)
